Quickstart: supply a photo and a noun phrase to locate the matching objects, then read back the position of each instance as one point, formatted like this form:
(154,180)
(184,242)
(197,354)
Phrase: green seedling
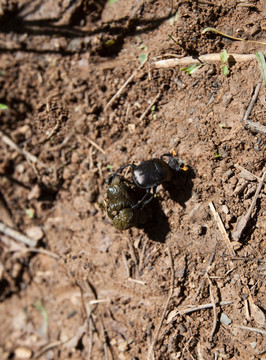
(262,64)
(40,307)
(153,111)
(110,167)
(217,155)
(191,68)
(109,42)
(143,58)
(30,213)
(3,107)
(224,58)
(111,2)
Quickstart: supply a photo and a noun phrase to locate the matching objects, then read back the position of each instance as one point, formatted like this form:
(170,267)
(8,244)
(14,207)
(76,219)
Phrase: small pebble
(123,346)
(225,319)
(34,232)
(225,209)
(23,353)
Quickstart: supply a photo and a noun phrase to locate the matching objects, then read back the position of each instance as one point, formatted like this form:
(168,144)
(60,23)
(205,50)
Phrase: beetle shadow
(180,187)
(158,227)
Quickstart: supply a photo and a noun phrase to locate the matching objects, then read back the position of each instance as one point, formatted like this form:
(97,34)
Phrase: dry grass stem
(242,327)
(214,309)
(47,348)
(156,335)
(16,235)
(222,229)
(192,308)
(118,93)
(239,167)
(137,281)
(157,97)
(201,59)
(255,126)
(39,251)
(253,100)
(93,143)
(125,264)
(23,152)
(242,223)
(205,273)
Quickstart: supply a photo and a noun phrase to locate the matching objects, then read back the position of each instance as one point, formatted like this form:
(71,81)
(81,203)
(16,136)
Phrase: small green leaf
(191,68)
(3,107)
(142,58)
(109,42)
(30,213)
(262,64)
(111,2)
(217,155)
(225,70)
(110,167)
(224,56)
(40,307)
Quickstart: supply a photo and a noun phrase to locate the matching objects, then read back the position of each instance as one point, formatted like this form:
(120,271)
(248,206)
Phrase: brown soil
(107,294)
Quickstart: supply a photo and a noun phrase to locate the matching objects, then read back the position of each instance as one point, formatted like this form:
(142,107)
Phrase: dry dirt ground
(87,290)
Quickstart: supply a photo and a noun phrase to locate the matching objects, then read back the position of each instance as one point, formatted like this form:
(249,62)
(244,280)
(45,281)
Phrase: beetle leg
(110,177)
(145,200)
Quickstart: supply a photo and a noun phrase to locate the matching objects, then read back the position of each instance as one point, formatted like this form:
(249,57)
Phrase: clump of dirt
(84,94)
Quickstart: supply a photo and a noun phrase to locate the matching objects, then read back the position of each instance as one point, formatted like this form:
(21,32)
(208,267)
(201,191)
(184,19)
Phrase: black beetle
(151,173)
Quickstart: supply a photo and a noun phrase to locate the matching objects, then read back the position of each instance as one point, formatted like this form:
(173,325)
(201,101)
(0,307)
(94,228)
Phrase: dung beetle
(119,200)
(151,173)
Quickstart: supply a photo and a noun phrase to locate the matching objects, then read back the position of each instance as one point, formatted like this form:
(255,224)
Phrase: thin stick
(193,308)
(256,126)
(16,235)
(253,100)
(124,86)
(242,223)
(242,327)
(201,59)
(214,309)
(203,279)
(40,251)
(150,106)
(142,255)
(125,263)
(23,152)
(239,167)
(222,229)
(150,351)
(47,348)
(137,281)
(93,143)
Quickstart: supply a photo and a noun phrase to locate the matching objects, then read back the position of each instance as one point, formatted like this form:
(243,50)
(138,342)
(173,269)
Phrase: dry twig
(253,100)
(222,229)
(93,143)
(16,235)
(193,308)
(242,327)
(40,251)
(157,97)
(23,152)
(242,223)
(205,273)
(214,309)
(201,59)
(124,86)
